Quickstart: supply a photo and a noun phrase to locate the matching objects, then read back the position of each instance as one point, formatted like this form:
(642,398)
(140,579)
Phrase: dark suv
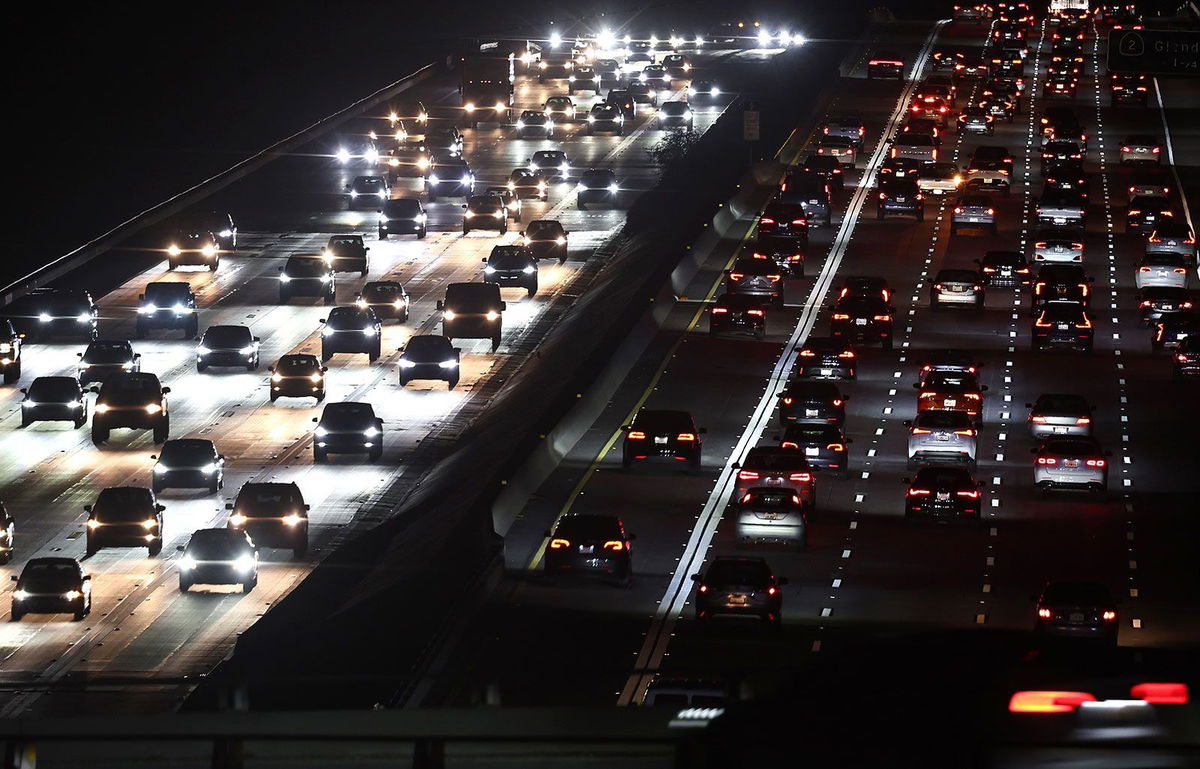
(10,351)
(598,185)
(306,275)
(662,434)
(402,216)
(353,330)
(298,376)
(429,356)
(188,463)
(1060,283)
(348,428)
(511,266)
(125,516)
(273,514)
(53,312)
(900,196)
(105,357)
(863,318)
(134,400)
(193,247)
(755,277)
(739,586)
(52,586)
(808,402)
(546,239)
(594,544)
(386,298)
(347,253)
(54,399)
(167,304)
(472,311)
(227,346)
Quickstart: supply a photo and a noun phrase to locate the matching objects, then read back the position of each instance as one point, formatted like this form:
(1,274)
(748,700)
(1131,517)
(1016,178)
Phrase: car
(167,304)
(942,494)
(525,183)
(227,346)
(356,150)
(642,93)
(1141,148)
(948,361)
(756,277)
(1064,63)
(193,247)
(885,64)
(973,212)
(219,223)
(272,515)
(1060,324)
(472,311)
(449,177)
(188,463)
(1004,269)
(663,434)
(533,124)
(1066,178)
(551,165)
(942,436)
(105,357)
(510,200)
(1059,152)
(298,375)
(124,516)
(776,467)
(11,344)
(868,286)
(823,446)
(429,356)
(590,544)
(930,106)
(999,106)
(1062,84)
(348,428)
(1172,329)
(444,141)
(368,191)
(739,586)
(920,147)
(546,239)
(135,400)
(347,253)
(973,13)
(703,92)
(1157,303)
(1161,271)
(402,216)
(307,275)
(939,179)
(351,329)
(827,167)
(512,266)
(944,59)
(990,168)
(605,118)
(597,185)
(677,65)
(1060,283)
(1056,119)
(771,516)
(8,532)
(1145,213)
(840,147)
(218,557)
(812,402)
(863,319)
(787,254)
(849,127)
(1061,208)
(900,196)
(675,114)
(46,313)
(806,193)
(386,298)
(52,586)
(1077,610)
(950,287)
(1173,236)
(623,99)
(559,109)
(1072,461)
(409,158)
(899,168)
(1058,245)
(1059,414)
(656,75)
(950,391)
(826,358)
(583,78)
(608,72)
(1129,89)
(54,399)
(738,314)
(1186,360)
(485,212)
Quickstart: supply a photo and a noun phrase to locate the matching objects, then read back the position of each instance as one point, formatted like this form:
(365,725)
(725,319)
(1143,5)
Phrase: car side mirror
(179,548)
(439,305)
(546,533)
(137,355)
(456,350)
(308,507)
(464,206)
(693,578)
(271,369)
(981,484)
(736,465)
(87,508)
(322,320)
(78,355)
(368,248)
(848,440)
(14,578)
(25,390)
(521,233)
(220,457)
(195,339)
(87,577)
(484,260)
(346,188)
(228,505)
(160,508)
(154,456)
(166,391)
(257,340)
(315,419)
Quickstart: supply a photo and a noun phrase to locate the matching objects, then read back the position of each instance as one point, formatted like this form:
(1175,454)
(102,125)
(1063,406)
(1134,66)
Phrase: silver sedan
(1141,149)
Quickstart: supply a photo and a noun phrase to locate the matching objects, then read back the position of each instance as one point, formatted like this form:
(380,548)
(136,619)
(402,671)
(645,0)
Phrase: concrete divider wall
(375,603)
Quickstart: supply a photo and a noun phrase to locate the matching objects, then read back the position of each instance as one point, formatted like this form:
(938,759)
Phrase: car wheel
(375,454)
(382,235)
(887,343)
(12,373)
(284,298)
(495,342)
(81,614)
(249,584)
(25,421)
(451,383)
(421,234)
(99,434)
(80,422)
(157,488)
(320,396)
(155,548)
(201,366)
(466,229)
(330,300)
(318,454)
(162,431)
(582,207)
(90,549)
(215,486)
(532,289)
(213,267)
(274,397)
(432,195)
(325,355)
(373,355)
(184,584)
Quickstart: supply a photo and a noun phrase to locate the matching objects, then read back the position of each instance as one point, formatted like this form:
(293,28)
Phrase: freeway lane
(141,627)
(865,571)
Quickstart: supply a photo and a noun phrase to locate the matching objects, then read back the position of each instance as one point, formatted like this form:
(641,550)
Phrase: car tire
(162,431)
(249,585)
(25,421)
(213,267)
(12,373)
(374,354)
(495,342)
(375,454)
(90,549)
(201,367)
(80,615)
(582,206)
(887,343)
(141,331)
(466,229)
(451,383)
(421,233)
(80,422)
(99,434)
(156,487)
(274,397)
(330,300)
(215,486)
(532,290)
(284,298)
(382,235)
(155,548)
(320,396)
(184,584)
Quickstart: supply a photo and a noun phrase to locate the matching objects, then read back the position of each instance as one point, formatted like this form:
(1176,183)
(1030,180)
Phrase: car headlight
(126,366)
(29,404)
(285,278)
(149,523)
(398,303)
(498,214)
(202,350)
(564,168)
(209,469)
(583,186)
(529,270)
(489,269)
(315,377)
(433,179)
(187,562)
(492,315)
(687,115)
(520,124)
(248,350)
(419,217)
(292,519)
(371,432)
(174,250)
(449,315)
(613,188)
(209,250)
(159,468)
(511,186)
(244,563)
(423,163)
(20,594)
(325,278)
(180,309)
(449,364)
(343,155)
(541,186)
(560,241)
(354,193)
(44,317)
(371,155)
(327,331)
(101,408)
(591,118)
(407,363)
(237,519)
(225,234)
(153,408)
(466,179)
(370,331)
(321,432)
(71,595)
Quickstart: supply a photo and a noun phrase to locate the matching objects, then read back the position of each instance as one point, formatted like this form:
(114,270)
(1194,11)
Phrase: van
(472,311)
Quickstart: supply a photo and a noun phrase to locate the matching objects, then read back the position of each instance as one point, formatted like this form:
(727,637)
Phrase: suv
(347,253)
(776,467)
(900,196)
(349,428)
(105,357)
(449,177)
(485,212)
(511,266)
(49,312)
(386,298)
(54,399)
(188,463)
(167,304)
(546,239)
(52,586)
(125,516)
(941,435)
(133,400)
(298,376)
(227,346)
(942,493)
(193,247)
(401,216)
(10,351)
(771,516)
(597,185)
(863,318)
(353,330)
(755,277)
(1065,283)
(7,535)
(827,167)
(731,313)
(218,557)
(368,191)
(590,543)
(739,586)
(306,275)
(809,189)
(605,118)
(826,358)
(472,311)
(273,514)
(429,356)
(808,402)
(783,220)
(1059,414)
(1063,324)
(990,168)
(1077,609)
(662,434)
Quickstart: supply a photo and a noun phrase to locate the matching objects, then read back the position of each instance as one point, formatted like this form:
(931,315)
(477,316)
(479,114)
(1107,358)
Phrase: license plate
(587,549)
(957,289)
(943,496)
(1076,616)
(737,600)
(810,412)
(943,437)
(901,199)
(1063,326)
(660,440)
(811,451)
(826,372)
(860,321)
(814,202)
(1006,273)
(1060,220)
(1060,430)
(950,402)
(1071,463)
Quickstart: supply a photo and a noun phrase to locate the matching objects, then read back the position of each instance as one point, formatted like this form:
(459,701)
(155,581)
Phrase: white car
(1161,271)
(1070,462)
(941,436)
(922,147)
(1141,149)
(1058,246)
(939,178)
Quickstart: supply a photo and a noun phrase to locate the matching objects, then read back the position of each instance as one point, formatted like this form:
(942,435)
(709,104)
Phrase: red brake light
(720,310)
(883,318)
(846,354)
(1161,694)
(836,447)
(841,316)
(1047,701)
(971,494)
(756,313)
(807,354)
(736,275)
(766,220)
(686,436)
(747,475)
(1047,461)
(637,435)
(800,477)
(919,492)
(614,544)
(968,432)
(789,445)
(774,278)
(558,544)
(800,222)
(772,590)
(1096,463)
(920,431)
(1109,616)
(837,401)
(703,588)
(1038,419)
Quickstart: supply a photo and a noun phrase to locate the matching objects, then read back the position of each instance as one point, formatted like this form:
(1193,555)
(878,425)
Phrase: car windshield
(226,336)
(773,459)
(426,346)
(133,389)
(943,420)
(354,243)
(402,207)
(349,318)
(126,503)
(350,412)
(941,476)
(54,389)
(296,364)
(217,545)
(50,575)
(1067,404)
(385,292)
(729,571)
(950,379)
(673,108)
(587,527)
(509,257)
(544,229)
(107,352)
(368,184)
(167,295)
(307,267)
(186,450)
(267,496)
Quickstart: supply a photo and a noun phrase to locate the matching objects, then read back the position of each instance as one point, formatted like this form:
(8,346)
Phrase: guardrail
(420,736)
(176,203)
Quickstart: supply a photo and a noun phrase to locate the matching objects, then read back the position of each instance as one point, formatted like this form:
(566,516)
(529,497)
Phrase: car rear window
(738,572)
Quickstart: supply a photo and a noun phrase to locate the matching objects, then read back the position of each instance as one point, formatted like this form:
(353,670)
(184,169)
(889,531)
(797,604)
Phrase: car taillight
(883,318)
(736,275)
(1161,693)
(1109,616)
(883,196)
(958,210)
(686,437)
(766,220)
(840,316)
(991,212)
(1051,461)
(1087,323)
(800,222)
(703,588)
(772,590)
(614,544)
(747,475)
(972,396)
(807,354)
(637,435)
(919,492)
(1125,148)
(920,431)
(720,310)
(1038,419)
(846,354)
(989,269)
(968,432)
(800,477)
(1179,271)
(1040,244)
(789,445)
(1096,463)
(774,278)
(927,394)
(1045,614)
(756,313)
(971,494)
(1156,150)
(1047,701)
(558,543)
(836,447)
